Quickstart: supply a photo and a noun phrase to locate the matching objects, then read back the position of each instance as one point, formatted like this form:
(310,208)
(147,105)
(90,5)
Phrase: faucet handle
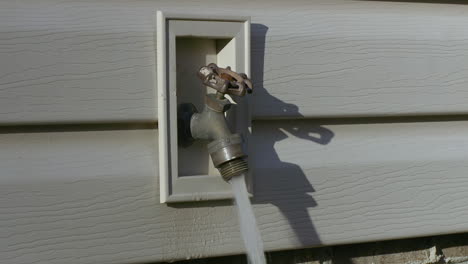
(224,80)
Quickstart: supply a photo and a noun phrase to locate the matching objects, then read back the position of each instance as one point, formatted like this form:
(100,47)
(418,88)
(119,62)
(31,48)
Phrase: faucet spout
(225,147)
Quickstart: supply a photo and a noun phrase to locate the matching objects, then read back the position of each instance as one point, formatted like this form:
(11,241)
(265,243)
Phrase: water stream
(248,225)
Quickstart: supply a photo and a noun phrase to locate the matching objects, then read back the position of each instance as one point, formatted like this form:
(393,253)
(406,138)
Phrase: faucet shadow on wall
(280,183)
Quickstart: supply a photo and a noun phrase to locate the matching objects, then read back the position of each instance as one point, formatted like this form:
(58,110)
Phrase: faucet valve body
(225,148)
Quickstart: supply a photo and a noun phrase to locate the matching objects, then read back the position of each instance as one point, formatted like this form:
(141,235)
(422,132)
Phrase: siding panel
(74,62)
(92,196)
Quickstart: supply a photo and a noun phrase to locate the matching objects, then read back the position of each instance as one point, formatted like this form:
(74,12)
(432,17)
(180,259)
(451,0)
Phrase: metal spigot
(225,148)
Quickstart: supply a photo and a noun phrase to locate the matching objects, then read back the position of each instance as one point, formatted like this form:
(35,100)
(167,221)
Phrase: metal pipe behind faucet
(225,147)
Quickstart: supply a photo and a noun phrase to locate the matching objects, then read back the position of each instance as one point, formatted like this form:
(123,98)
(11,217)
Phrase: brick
(453,245)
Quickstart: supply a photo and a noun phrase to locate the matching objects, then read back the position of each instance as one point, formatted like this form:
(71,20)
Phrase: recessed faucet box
(185,43)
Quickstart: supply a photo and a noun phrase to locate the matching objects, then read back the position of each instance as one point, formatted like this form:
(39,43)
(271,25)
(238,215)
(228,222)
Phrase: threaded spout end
(233,168)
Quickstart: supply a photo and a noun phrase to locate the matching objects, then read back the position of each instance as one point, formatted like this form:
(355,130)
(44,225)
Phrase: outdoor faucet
(225,147)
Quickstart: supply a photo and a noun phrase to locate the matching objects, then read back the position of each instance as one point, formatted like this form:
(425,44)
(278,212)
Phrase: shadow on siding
(280,183)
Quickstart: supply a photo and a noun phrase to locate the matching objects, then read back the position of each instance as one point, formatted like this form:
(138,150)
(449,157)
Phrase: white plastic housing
(184,44)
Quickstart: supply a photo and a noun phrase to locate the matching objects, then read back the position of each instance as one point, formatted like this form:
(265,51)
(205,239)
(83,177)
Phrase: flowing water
(248,225)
